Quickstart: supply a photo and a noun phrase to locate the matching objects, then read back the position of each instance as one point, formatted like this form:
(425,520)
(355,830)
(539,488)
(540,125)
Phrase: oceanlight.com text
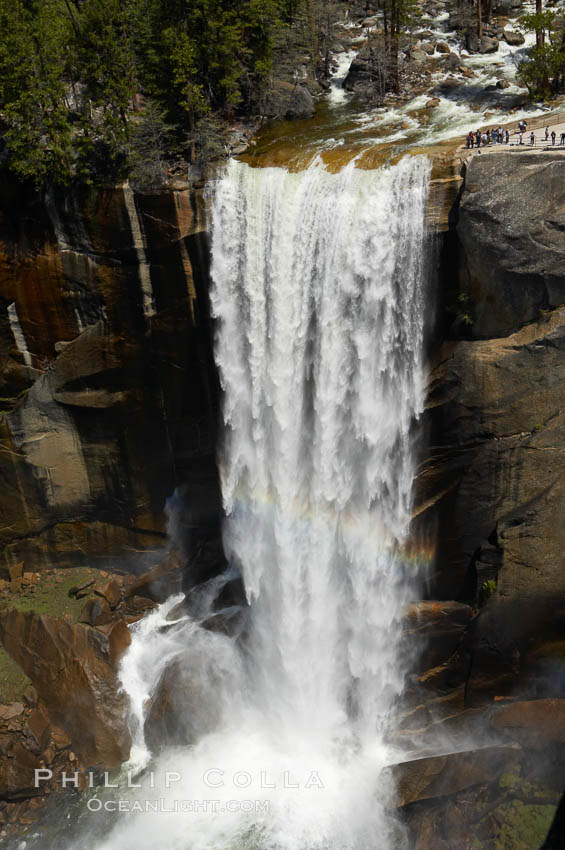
(162,806)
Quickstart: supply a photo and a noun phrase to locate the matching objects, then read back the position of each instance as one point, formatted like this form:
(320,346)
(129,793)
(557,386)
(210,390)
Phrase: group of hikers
(500,136)
(485,137)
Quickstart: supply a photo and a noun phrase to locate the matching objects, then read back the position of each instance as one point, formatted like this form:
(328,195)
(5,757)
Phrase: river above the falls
(345,128)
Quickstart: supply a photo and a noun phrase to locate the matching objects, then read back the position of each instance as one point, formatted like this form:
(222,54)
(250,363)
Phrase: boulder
(119,638)
(427,47)
(111,592)
(288,100)
(488,44)
(443,47)
(503,84)
(434,101)
(513,38)
(418,56)
(472,42)
(359,77)
(447,86)
(70,666)
(452,62)
(137,607)
(96,612)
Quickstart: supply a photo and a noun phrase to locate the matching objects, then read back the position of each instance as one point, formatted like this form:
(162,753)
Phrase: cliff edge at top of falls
(511,230)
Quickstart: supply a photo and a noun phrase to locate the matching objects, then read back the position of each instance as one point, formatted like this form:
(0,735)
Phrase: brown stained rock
(137,607)
(90,413)
(111,592)
(96,612)
(60,739)
(71,669)
(16,572)
(38,727)
(533,723)
(17,773)
(119,638)
(437,776)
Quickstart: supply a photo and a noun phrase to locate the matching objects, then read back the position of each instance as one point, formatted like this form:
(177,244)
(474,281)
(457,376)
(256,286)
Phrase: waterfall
(318,296)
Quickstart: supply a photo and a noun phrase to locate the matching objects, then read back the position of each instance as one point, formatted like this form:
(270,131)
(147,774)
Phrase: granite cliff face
(107,383)
(512,233)
(490,503)
(493,481)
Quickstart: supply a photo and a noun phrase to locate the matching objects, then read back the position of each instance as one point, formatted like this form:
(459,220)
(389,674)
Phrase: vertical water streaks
(139,245)
(318,295)
(18,334)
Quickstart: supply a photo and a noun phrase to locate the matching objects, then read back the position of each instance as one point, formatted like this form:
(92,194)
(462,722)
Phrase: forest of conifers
(90,88)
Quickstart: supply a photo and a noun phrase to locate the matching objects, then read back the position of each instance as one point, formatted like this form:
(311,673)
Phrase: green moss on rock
(52,597)
(523,826)
(13,680)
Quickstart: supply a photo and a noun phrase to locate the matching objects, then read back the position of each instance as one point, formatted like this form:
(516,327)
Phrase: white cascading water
(318,293)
